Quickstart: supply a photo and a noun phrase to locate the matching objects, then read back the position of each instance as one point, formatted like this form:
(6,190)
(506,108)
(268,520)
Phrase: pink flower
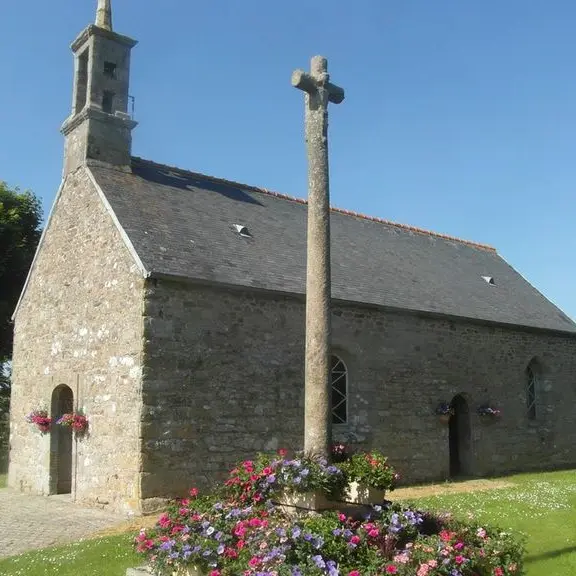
(459,546)
(423,570)
(354,573)
(342,517)
(402,558)
(481,533)
(459,559)
(254,561)
(391,569)
(255,522)
(373,533)
(164,521)
(498,571)
(355,539)
(446,536)
(194,492)
(432,563)
(214,572)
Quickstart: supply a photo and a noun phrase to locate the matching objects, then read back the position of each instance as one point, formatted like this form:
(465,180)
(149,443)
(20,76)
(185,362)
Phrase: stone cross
(104,15)
(317,404)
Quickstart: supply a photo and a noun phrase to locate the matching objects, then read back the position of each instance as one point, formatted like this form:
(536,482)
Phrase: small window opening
(490,280)
(107,101)
(81,81)
(242,230)
(531,393)
(110,69)
(339,381)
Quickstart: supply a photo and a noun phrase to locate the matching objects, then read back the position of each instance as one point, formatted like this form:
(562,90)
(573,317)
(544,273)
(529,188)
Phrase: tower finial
(104,15)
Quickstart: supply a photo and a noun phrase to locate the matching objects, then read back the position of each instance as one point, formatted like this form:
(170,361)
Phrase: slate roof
(181,224)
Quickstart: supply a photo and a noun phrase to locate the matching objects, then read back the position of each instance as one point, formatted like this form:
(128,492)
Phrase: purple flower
(319,561)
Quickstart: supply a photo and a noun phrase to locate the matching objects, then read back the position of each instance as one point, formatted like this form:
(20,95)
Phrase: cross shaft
(317,405)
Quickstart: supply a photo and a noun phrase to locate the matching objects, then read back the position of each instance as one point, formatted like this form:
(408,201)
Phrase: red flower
(391,569)
(498,571)
(194,492)
(446,536)
(282,452)
(164,521)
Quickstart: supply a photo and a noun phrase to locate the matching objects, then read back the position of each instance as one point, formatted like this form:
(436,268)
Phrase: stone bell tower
(99,129)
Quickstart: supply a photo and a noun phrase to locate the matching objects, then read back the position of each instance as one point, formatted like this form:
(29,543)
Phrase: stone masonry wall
(80,324)
(224,378)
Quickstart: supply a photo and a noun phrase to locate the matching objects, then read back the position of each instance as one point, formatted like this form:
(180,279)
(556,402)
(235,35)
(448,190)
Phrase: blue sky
(460,117)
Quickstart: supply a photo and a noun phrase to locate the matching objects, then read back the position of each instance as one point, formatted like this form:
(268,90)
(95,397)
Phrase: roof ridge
(332,208)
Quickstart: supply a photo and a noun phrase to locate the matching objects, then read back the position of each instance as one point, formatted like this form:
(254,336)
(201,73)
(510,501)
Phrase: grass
(3,479)
(541,506)
(108,556)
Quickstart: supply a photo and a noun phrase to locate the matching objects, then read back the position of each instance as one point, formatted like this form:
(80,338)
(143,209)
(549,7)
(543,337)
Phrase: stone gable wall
(81,324)
(224,378)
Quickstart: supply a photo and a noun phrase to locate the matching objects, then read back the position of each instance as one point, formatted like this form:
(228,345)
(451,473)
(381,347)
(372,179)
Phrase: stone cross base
(140,571)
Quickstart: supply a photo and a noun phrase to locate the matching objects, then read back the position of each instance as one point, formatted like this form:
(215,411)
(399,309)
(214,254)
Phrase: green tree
(20,219)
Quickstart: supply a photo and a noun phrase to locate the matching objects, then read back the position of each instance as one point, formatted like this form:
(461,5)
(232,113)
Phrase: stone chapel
(169,306)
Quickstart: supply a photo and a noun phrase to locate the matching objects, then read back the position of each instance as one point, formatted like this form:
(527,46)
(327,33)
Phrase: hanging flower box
(40,419)
(77,421)
(360,493)
(444,411)
(488,411)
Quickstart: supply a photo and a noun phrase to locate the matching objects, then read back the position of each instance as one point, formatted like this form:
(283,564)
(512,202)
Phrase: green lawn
(3,479)
(542,506)
(104,556)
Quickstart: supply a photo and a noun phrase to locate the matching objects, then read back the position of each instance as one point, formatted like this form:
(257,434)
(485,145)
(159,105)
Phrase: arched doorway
(459,437)
(61,442)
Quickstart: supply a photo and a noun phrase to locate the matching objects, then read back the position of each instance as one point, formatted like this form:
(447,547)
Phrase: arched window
(339,376)
(531,381)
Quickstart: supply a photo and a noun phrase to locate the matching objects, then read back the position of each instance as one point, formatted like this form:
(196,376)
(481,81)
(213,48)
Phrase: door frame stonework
(62,449)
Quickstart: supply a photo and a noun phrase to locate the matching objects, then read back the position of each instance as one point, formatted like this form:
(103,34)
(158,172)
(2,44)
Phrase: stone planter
(183,571)
(361,494)
(300,502)
(188,571)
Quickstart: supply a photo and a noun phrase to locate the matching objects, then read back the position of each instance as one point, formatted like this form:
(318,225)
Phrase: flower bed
(369,476)
(231,534)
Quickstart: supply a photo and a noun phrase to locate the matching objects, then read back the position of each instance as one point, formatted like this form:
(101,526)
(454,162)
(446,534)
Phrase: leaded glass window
(339,376)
